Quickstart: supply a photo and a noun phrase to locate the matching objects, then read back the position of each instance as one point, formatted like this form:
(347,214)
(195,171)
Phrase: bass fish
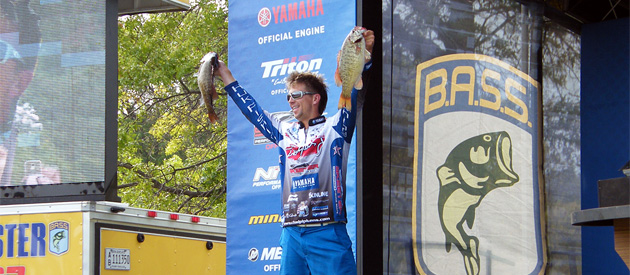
(350,62)
(473,168)
(205,80)
(57,238)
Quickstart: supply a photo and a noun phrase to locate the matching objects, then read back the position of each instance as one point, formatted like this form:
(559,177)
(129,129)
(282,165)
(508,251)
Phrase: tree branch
(172,190)
(127,185)
(198,164)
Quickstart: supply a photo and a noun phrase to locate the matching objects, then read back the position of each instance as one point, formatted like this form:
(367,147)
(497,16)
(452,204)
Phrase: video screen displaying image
(52,92)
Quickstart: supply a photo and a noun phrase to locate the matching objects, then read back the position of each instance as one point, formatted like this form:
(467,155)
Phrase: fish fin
(213,92)
(446,176)
(469,217)
(337,72)
(367,55)
(359,84)
(345,102)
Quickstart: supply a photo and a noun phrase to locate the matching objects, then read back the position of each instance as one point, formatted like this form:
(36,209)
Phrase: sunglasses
(298,94)
(7,52)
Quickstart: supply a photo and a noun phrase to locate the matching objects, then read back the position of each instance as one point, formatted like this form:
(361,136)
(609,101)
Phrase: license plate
(117,259)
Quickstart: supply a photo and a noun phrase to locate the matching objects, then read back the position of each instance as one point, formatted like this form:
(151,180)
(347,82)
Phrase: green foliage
(169,155)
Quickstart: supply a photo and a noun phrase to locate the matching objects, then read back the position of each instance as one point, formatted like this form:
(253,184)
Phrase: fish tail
(212,116)
(345,102)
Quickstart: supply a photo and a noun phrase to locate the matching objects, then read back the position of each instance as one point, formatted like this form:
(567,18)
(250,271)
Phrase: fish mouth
(504,159)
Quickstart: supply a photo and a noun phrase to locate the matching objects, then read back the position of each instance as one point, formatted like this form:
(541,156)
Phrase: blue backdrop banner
(268,40)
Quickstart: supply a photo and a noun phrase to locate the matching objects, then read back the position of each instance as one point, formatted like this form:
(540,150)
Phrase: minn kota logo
(473,168)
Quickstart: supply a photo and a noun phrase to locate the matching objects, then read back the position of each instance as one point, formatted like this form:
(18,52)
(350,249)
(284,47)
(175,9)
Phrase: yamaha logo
(290,12)
(264,17)
(253,254)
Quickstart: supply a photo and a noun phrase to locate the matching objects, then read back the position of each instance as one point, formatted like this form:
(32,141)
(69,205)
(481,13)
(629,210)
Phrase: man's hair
(314,82)
(20,14)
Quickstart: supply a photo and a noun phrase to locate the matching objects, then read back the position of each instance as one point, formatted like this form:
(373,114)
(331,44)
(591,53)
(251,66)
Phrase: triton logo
(264,219)
(281,67)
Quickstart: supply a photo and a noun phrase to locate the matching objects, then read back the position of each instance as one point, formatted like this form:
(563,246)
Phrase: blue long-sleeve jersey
(312,162)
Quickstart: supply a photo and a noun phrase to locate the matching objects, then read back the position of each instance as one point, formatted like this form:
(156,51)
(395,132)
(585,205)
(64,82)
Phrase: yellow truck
(89,237)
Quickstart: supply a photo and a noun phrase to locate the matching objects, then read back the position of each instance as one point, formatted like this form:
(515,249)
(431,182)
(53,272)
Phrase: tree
(169,155)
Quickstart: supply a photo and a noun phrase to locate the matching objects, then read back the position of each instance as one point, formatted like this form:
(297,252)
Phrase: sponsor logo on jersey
(320,214)
(306,182)
(313,148)
(292,198)
(304,168)
(337,183)
(302,209)
(323,194)
(320,208)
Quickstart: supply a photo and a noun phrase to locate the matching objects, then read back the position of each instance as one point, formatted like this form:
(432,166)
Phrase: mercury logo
(286,66)
(271,253)
(253,254)
(268,254)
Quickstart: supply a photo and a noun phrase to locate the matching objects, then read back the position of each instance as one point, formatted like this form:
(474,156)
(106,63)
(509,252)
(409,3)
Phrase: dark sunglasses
(8,52)
(298,94)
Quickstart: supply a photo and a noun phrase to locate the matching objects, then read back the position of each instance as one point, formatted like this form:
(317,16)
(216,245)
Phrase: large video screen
(52,97)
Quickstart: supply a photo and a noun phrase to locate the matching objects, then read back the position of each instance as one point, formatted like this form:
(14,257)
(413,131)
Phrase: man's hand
(369,40)
(368,35)
(224,73)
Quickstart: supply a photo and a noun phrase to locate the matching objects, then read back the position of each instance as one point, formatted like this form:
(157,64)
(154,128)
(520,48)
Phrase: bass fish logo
(472,169)
(477,204)
(59,232)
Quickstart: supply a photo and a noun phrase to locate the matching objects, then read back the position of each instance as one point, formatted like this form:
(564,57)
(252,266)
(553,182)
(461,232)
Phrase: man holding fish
(16,73)
(313,159)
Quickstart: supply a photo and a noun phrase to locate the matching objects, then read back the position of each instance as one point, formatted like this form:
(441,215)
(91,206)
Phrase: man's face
(13,80)
(303,108)
(8,80)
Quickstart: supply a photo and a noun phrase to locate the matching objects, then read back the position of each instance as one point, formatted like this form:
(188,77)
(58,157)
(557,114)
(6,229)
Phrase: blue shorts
(317,250)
